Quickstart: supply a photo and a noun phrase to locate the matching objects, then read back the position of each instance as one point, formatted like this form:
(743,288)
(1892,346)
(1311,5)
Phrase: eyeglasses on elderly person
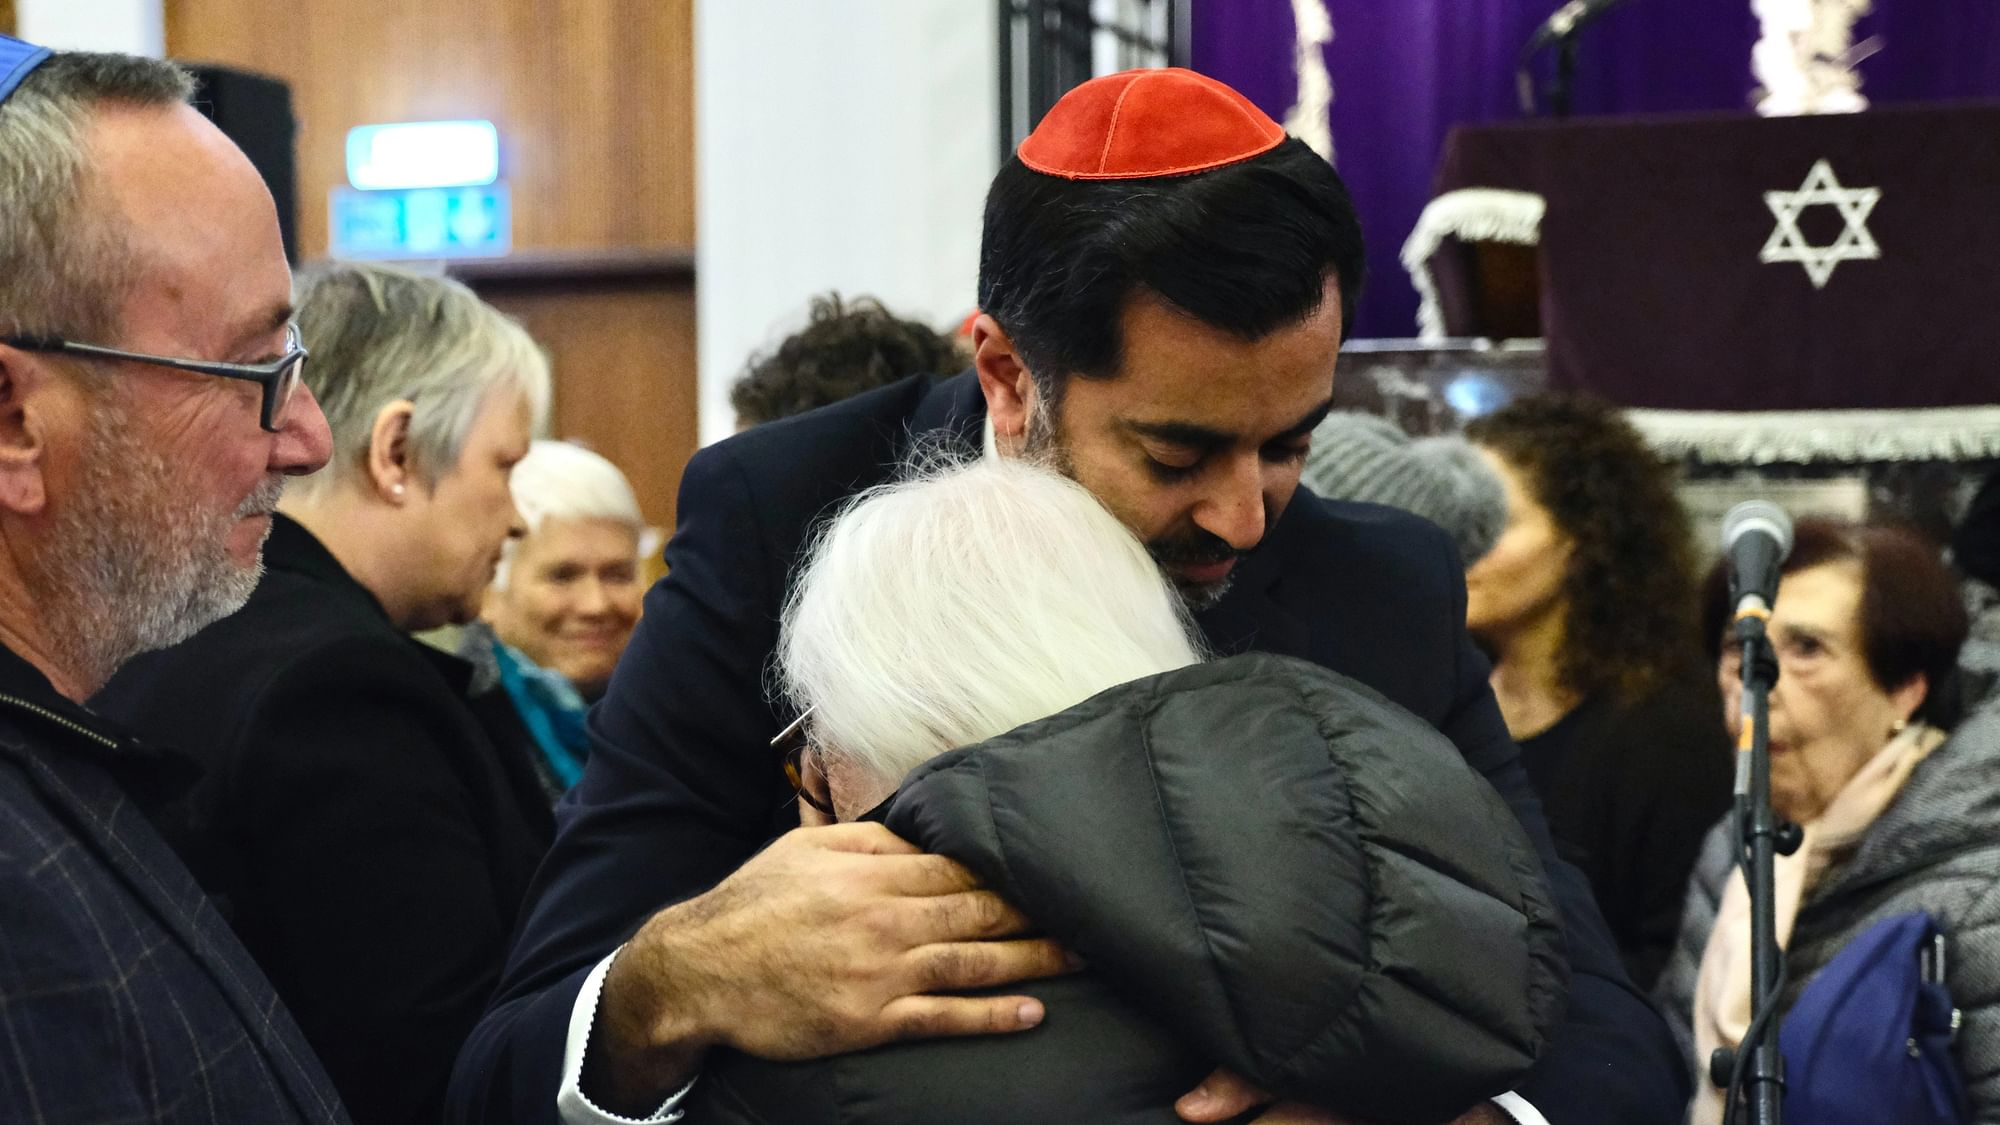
(278,377)
(793,744)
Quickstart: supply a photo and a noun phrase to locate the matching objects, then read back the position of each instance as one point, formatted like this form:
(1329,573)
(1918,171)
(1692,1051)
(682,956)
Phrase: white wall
(135,27)
(840,146)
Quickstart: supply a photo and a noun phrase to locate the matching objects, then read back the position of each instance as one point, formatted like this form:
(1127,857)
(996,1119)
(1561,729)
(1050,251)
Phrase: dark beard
(1194,547)
(1043,445)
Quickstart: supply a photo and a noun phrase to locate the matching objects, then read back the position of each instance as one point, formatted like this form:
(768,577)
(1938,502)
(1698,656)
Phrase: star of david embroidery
(1855,243)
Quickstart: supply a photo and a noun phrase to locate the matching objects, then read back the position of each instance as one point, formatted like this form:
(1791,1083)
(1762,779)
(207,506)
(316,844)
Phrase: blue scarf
(551,709)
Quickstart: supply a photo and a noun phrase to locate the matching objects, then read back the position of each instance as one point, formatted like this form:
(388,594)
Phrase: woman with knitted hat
(1443,479)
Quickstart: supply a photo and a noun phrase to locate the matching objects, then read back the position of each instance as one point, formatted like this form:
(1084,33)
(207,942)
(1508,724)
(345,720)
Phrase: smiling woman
(564,601)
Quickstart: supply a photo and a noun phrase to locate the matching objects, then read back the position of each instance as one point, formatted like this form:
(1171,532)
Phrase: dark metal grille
(1047,47)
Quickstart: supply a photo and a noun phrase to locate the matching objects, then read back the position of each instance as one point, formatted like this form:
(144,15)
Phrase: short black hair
(846,347)
(1246,248)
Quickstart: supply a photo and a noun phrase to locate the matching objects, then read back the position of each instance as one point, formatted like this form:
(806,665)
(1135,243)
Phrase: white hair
(956,605)
(564,481)
(380,334)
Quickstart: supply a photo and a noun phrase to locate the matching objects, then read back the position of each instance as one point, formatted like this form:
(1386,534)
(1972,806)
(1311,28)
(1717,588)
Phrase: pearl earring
(1899,727)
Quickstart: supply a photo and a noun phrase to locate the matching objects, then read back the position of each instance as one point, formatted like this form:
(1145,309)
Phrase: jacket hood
(1296,876)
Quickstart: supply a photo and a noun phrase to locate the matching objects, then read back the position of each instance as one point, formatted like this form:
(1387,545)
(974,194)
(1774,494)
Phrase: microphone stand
(1763,838)
(1561,88)
(1564,85)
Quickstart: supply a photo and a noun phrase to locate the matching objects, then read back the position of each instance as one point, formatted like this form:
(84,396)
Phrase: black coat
(356,824)
(123,995)
(1631,792)
(682,788)
(1264,865)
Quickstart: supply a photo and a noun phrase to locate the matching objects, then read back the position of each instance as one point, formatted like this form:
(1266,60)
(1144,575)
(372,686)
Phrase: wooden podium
(1738,263)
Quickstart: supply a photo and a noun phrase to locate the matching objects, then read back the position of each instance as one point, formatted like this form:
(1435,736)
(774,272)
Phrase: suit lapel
(114,829)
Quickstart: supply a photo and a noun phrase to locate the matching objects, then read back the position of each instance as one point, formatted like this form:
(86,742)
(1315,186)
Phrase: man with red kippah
(1165,281)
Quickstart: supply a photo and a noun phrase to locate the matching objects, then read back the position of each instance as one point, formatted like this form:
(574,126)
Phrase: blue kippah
(17,61)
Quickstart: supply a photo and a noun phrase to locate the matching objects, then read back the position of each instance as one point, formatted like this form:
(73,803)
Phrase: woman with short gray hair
(564,602)
(411,365)
(372,838)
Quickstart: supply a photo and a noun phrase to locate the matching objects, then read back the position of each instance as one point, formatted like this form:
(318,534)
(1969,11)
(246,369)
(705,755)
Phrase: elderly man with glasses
(371,833)
(139,256)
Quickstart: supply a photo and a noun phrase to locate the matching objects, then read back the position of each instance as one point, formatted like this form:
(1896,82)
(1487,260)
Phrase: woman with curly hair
(1587,605)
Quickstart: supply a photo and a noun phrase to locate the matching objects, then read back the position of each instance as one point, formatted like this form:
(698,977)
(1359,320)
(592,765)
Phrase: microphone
(1756,539)
(1566,20)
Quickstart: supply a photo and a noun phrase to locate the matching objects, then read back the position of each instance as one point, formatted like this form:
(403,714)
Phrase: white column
(840,146)
(134,27)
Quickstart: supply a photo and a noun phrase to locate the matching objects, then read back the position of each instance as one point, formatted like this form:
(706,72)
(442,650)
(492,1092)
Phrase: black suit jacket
(363,834)
(681,787)
(123,995)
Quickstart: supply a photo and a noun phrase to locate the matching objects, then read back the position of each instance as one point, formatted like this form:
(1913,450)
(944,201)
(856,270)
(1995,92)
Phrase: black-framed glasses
(279,378)
(793,744)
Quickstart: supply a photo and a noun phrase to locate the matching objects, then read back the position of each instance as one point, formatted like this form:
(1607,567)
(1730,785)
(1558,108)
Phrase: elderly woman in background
(1587,606)
(563,602)
(1252,856)
(368,840)
(1866,626)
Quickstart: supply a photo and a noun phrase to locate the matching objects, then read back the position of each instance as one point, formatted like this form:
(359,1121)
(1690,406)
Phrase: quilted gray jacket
(1935,849)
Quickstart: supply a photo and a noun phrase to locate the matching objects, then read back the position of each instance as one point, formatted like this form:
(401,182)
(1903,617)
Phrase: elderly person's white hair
(562,480)
(956,605)
(379,335)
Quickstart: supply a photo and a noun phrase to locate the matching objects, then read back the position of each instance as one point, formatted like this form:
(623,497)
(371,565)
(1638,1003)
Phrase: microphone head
(1758,516)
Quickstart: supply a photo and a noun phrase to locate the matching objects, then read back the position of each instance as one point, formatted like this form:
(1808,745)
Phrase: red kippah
(1138,124)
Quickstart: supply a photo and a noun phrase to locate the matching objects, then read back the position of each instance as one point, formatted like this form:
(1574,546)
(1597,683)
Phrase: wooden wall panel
(625,375)
(594,99)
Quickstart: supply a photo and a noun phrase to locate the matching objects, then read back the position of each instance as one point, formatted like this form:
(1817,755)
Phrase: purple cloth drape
(1405,71)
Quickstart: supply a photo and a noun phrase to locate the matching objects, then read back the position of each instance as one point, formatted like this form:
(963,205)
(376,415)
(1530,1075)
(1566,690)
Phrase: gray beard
(133,563)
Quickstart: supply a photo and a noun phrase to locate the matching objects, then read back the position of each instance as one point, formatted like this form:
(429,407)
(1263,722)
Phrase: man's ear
(1004,380)
(389,470)
(27,401)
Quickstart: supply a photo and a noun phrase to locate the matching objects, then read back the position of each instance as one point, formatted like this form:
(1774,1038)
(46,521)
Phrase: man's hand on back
(832,939)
